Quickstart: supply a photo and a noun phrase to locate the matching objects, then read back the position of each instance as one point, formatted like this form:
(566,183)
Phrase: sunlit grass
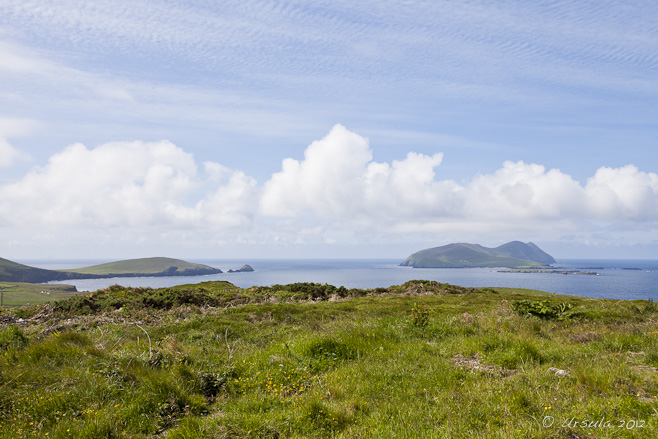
(361,366)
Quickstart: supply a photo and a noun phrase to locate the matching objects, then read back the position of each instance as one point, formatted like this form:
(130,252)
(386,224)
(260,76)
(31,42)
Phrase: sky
(327,129)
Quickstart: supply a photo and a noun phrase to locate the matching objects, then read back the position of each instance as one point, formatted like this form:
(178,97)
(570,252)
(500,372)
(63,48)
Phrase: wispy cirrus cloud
(290,67)
(538,107)
(418,45)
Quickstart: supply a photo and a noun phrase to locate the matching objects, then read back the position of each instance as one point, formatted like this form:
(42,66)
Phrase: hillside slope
(11,271)
(315,361)
(514,254)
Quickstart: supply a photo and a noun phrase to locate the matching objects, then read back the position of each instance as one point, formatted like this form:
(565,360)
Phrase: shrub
(12,336)
(542,309)
(420,316)
(211,383)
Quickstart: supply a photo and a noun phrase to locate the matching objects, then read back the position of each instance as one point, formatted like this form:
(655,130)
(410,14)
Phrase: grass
(19,293)
(421,360)
(522,291)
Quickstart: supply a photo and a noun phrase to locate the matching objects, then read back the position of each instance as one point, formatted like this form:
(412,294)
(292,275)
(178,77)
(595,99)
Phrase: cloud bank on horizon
(470,121)
(336,187)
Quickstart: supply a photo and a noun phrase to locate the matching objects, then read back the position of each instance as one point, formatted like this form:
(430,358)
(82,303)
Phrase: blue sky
(327,128)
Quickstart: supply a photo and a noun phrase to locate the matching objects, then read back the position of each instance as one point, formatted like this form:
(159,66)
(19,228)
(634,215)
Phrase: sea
(614,279)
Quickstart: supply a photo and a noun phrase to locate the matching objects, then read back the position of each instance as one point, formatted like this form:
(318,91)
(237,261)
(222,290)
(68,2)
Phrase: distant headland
(146,267)
(514,254)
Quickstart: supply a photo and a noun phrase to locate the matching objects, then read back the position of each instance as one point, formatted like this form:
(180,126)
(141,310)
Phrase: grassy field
(421,360)
(19,293)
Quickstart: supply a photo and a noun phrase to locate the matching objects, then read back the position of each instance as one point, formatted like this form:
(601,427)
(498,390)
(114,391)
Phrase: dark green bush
(420,316)
(211,383)
(542,308)
(12,336)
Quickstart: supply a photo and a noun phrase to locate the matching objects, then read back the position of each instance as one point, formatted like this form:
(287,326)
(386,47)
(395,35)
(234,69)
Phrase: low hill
(11,271)
(147,267)
(514,254)
(14,272)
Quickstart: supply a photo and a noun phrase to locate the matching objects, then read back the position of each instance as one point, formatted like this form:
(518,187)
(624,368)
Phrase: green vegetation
(14,272)
(420,360)
(513,254)
(543,309)
(16,293)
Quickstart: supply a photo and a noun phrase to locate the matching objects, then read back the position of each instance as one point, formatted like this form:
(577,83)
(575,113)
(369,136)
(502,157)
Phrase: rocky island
(543,270)
(246,268)
(514,254)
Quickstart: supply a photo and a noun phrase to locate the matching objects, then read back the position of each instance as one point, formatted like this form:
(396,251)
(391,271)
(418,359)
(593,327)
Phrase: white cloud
(623,194)
(325,181)
(338,181)
(337,193)
(127,184)
(524,191)
(22,65)
(338,178)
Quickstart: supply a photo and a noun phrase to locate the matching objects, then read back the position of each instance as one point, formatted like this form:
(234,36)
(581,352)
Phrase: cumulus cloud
(523,191)
(130,184)
(335,193)
(324,181)
(624,193)
(337,179)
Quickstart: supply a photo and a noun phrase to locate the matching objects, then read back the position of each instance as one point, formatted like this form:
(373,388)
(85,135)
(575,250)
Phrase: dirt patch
(636,354)
(417,290)
(474,363)
(467,319)
(585,337)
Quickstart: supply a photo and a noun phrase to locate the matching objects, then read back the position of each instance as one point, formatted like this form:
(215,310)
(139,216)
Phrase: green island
(418,360)
(14,272)
(514,254)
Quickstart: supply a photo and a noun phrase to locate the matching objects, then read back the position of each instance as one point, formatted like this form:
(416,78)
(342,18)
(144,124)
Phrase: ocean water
(616,279)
